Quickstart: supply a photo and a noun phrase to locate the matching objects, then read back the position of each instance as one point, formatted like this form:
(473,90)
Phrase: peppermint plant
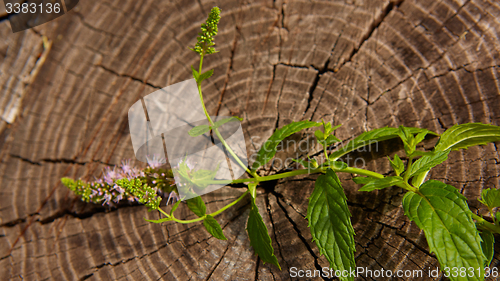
(458,237)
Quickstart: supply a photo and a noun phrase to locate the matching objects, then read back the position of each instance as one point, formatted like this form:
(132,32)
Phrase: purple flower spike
(156,161)
(127,169)
(110,175)
(107,198)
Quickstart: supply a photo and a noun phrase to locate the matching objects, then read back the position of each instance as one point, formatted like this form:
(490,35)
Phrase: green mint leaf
(320,136)
(326,138)
(196,75)
(408,139)
(174,207)
(202,178)
(331,129)
(371,137)
(330,223)
(467,135)
(418,153)
(259,237)
(213,227)
(397,165)
(444,216)
(268,149)
(199,130)
(382,183)
(488,246)
(331,139)
(420,137)
(205,75)
(225,120)
(339,165)
(491,197)
(427,162)
(363,180)
(197,205)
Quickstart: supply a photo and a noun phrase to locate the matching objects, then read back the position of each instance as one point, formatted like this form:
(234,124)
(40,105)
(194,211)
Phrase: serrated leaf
(382,183)
(330,129)
(418,153)
(331,139)
(226,120)
(197,205)
(338,165)
(268,149)
(405,134)
(330,223)
(213,227)
(196,75)
(320,136)
(491,197)
(397,165)
(408,139)
(420,137)
(488,246)
(174,207)
(205,75)
(201,178)
(259,237)
(467,135)
(373,136)
(363,180)
(199,130)
(427,162)
(444,216)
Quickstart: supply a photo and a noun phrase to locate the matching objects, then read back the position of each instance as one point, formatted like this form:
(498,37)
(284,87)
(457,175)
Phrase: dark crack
(218,262)
(127,76)
(57,161)
(269,89)
(268,207)
(86,277)
(301,237)
(65,212)
(14,222)
(257,269)
(374,26)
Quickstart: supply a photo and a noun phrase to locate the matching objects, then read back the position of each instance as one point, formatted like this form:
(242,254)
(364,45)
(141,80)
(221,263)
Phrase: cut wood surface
(361,63)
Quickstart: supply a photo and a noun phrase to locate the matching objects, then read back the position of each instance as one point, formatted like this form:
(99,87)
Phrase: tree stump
(361,63)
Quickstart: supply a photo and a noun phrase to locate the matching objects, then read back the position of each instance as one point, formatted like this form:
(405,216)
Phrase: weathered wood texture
(361,63)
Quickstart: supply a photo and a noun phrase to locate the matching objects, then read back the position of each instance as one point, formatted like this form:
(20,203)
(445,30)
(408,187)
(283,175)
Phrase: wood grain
(364,64)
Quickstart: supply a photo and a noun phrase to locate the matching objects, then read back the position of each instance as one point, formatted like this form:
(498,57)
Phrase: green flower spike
(208,31)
